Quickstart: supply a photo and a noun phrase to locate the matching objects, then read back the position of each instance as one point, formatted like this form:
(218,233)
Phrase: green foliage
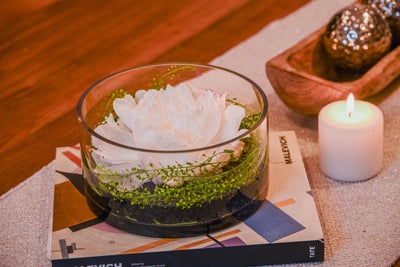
(160,81)
(195,183)
(249,121)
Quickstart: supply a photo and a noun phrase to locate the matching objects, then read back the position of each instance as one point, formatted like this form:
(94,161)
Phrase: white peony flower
(178,118)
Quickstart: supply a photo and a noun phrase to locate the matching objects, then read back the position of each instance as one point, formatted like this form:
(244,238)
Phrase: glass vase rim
(88,129)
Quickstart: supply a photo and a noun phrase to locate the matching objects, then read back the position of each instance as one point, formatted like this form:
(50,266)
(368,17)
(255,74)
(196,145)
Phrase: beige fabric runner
(360,221)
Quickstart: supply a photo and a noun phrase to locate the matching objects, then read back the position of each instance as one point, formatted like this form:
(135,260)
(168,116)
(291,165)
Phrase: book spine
(239,256)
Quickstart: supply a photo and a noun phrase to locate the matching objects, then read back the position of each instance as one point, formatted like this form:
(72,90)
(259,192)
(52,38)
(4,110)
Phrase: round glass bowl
(173,192)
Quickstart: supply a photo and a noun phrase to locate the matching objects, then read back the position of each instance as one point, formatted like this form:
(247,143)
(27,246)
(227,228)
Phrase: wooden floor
(52,50)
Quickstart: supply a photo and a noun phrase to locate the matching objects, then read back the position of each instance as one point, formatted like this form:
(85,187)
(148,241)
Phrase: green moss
(196,183)
(249,121)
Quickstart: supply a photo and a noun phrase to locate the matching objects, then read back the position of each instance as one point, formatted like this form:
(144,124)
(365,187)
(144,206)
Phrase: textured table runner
(360,221)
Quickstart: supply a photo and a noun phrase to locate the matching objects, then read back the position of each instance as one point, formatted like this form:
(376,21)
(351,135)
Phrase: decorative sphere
(390,9)
(357,37)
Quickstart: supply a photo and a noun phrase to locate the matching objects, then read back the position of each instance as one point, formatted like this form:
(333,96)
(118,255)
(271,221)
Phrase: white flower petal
(148,137)
(122,106)
(177,118)
(139,95)
(232,118)
(111,153)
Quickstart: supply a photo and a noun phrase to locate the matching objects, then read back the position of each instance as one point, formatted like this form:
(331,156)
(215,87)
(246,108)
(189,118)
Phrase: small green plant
(160,81)
(108,106)
(249,121)
(196,183)
(193,183)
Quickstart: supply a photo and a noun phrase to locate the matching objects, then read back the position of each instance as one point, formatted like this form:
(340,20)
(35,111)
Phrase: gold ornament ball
(390,9)
(357,37)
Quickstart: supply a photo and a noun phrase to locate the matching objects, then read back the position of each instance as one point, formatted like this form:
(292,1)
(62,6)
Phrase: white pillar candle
(350,136)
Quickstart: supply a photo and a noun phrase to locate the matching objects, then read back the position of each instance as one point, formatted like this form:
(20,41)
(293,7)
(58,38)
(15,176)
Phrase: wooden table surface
(52,50)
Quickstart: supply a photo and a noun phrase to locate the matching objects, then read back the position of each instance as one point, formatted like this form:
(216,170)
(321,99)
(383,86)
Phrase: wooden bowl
(305,79)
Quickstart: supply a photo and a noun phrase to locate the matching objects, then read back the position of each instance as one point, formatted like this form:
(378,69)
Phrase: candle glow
(350,113)
(350,105)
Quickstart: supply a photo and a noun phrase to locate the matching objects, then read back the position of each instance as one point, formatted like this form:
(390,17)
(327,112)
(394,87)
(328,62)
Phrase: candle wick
(350,105)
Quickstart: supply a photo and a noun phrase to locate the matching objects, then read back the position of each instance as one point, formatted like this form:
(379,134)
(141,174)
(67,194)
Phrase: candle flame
(350,105)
